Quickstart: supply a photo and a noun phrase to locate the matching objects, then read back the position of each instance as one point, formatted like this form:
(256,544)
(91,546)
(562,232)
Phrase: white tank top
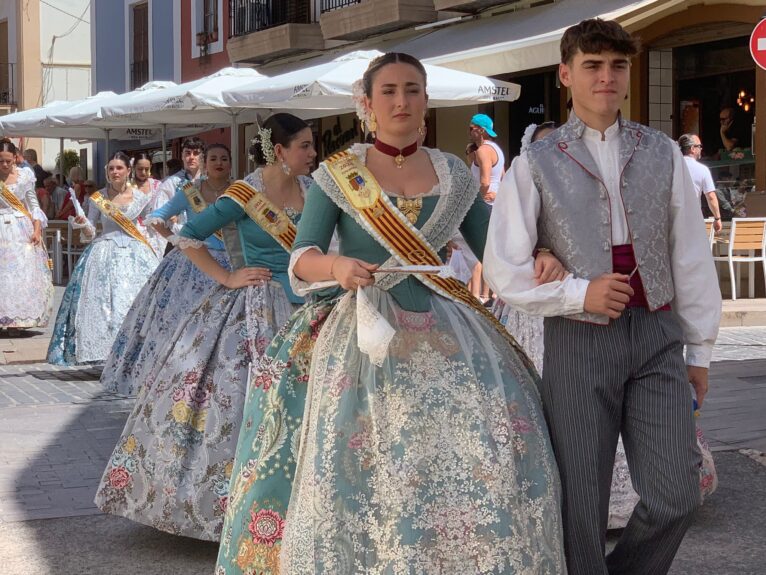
(497,170)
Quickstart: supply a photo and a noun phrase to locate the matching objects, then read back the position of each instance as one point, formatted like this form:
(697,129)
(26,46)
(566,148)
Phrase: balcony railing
(328,5)
(248,16)
(7,83)
(139,74)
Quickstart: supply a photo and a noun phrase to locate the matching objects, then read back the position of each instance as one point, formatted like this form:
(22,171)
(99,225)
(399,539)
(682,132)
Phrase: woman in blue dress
(176,286)
(172,464)
(110,272)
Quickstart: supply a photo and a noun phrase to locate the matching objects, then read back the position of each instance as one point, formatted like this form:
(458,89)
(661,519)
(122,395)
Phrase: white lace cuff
(185,243)
(153,221)
(301,287)
(39,215)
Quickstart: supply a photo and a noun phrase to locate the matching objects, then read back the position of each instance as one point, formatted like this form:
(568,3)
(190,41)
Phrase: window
(210,18)
(139,57)
(206,32)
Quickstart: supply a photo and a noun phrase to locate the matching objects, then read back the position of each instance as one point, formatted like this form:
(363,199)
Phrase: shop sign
(758,44)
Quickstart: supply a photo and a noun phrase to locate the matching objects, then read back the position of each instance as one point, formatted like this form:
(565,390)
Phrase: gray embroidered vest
(575,214)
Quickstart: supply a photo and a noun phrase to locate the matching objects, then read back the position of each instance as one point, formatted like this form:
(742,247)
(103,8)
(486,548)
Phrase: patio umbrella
(198,102)
(329,86)
(88,113)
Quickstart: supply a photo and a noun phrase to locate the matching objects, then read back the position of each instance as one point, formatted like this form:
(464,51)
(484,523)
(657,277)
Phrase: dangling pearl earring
(286,169)
(372,122)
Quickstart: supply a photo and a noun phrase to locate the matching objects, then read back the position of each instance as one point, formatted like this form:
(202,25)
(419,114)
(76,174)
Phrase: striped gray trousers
(599,381)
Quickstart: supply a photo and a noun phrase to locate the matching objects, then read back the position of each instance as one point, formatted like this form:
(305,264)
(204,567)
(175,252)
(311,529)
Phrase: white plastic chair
(73,249)
(710,231)
(746,235)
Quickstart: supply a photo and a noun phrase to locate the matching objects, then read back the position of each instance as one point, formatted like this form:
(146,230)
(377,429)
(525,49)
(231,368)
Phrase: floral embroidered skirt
(176,287)
(526,329)
(623,497)
(438,461)
(267,450)
(102,287)
(25,278)
(172,465)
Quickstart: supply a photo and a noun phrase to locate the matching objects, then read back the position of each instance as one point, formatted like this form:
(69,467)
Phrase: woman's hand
(36,238)
(548,268)
(352,273)
(244,277)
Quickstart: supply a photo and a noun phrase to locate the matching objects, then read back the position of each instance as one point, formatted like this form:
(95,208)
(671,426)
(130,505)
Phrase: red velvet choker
(397,154)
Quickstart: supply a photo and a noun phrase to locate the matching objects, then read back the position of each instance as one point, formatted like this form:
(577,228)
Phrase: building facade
(694,62)
(45,56)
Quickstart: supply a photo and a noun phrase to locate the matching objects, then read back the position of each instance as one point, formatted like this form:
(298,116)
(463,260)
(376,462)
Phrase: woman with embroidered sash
(176,286)
(423,447)
(172,464)
(25,278)
(142,178)
(109,274)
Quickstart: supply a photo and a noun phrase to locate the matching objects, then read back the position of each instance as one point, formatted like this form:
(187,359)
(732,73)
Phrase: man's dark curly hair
(595,36)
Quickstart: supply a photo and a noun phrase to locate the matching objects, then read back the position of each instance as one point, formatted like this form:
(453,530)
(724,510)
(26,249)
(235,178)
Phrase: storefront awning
(516,41)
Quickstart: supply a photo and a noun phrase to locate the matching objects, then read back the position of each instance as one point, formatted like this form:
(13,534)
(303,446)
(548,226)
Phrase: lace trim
(185,243)
(39,215)
(373,332)
(255,179)
(300,287)
(154,220)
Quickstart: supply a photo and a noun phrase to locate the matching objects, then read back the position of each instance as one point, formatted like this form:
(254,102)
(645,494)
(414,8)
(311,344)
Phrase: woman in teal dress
(172,464)
(176,286)
(422,447)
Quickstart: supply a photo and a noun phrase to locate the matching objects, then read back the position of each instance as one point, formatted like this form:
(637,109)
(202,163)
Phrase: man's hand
(717,225)
(698,379)
(548,268)
(489,196)
(608,295)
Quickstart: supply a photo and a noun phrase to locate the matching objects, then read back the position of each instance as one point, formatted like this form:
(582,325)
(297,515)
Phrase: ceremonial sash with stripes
(197,202)
(113,213)
(263,212)
(375,212)
(11,199)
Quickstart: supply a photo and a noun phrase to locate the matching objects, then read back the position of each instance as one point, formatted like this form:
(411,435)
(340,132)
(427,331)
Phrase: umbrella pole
(164,152)
(61,161)
(235,145)
(106,132)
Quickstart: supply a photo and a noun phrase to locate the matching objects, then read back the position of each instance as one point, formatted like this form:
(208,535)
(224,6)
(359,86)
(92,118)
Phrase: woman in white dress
(176,286)
(108,275)
(25,278)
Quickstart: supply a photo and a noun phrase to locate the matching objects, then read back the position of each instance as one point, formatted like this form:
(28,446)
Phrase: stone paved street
(59,428)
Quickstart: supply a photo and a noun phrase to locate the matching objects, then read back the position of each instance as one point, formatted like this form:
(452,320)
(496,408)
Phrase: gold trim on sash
(197,202)
(13,201)
(392,229)
(114,213)
(263,212)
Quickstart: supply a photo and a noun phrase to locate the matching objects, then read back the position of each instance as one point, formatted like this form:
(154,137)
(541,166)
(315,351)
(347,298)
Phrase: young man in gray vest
(613,200)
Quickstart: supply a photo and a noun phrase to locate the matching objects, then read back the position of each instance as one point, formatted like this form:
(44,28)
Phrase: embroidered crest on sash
(263,212)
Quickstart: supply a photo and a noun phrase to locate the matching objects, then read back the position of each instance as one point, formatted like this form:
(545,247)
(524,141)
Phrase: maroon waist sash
(624,262)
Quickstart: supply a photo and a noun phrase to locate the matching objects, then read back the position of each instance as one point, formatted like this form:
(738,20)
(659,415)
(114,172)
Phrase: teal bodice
(321,215)
(259,249)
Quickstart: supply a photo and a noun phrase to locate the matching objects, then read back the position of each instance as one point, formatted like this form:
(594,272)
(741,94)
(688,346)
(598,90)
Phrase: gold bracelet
(332,265)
